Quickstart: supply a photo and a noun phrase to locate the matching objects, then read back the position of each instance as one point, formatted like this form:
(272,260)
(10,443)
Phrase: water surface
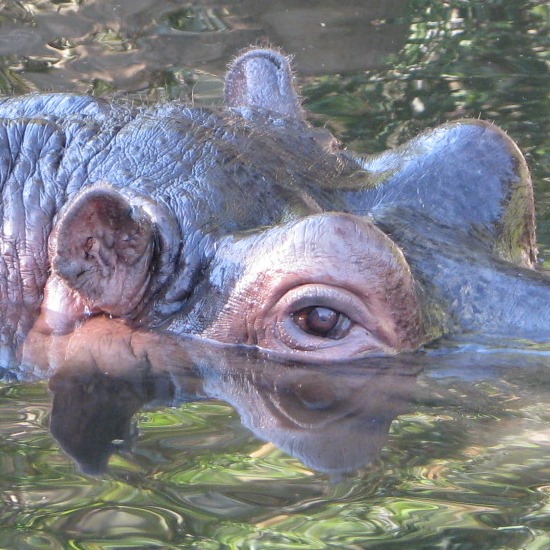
(448,448)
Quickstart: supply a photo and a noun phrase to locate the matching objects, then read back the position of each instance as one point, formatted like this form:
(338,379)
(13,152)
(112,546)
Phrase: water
(222,449)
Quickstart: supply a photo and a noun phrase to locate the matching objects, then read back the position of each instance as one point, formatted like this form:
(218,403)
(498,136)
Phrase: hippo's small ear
(262,79)
(103,247)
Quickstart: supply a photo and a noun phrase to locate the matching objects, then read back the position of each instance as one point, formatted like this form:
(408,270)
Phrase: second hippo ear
(103,247)
(262,79)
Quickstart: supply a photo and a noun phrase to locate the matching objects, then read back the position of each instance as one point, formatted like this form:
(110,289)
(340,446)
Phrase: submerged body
(246,225)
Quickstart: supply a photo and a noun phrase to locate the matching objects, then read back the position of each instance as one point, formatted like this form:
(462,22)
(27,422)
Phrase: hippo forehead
(222,171)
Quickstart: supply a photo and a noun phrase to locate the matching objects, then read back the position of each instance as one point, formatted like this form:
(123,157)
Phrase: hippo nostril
(89,244)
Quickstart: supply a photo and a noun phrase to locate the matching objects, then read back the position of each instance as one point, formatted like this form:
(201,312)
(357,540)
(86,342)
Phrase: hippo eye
(323,322)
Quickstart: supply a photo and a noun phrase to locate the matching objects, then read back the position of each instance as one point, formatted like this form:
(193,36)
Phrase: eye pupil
(322,321)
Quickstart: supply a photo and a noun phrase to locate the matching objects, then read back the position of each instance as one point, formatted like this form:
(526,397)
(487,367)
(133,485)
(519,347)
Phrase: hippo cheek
(329,287)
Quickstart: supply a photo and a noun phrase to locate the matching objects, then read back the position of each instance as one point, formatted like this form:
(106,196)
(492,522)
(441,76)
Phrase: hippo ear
(262,79)
(103,247)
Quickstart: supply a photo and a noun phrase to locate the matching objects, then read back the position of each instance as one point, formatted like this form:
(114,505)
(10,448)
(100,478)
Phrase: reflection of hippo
(245,225)
(334,420)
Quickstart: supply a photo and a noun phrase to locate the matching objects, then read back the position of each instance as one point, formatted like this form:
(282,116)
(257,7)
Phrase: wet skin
(245,225)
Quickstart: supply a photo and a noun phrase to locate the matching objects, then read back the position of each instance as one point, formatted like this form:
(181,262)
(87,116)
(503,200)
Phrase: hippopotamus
(246,225)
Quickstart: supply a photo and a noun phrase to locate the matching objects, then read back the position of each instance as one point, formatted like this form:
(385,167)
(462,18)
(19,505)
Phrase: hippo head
(280,266)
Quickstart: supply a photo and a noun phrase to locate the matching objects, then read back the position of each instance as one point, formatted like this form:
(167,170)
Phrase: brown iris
(322,321)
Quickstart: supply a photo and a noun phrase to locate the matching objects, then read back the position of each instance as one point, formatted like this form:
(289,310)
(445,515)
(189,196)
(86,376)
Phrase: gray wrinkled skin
(246,225)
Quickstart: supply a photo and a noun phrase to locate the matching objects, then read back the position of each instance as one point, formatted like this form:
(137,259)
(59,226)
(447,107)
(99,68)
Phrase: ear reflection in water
(333,417)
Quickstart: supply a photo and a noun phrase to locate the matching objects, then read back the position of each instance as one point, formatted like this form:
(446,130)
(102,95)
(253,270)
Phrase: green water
(453,454)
